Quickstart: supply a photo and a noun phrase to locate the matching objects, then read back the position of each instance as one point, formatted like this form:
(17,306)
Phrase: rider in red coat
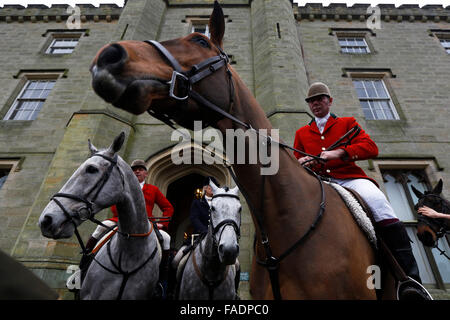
(362,147)
(340,168)
(152,195)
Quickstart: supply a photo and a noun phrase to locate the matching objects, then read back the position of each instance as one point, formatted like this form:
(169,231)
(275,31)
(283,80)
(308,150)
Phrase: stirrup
(419,290)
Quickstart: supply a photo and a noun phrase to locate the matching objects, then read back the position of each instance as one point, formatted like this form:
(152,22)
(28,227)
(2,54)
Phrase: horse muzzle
(55,226)
(426,235)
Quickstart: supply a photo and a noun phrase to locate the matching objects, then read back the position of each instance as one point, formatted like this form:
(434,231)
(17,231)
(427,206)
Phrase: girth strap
(125,274)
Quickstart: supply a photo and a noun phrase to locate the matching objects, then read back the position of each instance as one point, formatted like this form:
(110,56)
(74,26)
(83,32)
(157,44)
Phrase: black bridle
(86,212)
(214,229)
(225,222)
(183,79)
(438,226)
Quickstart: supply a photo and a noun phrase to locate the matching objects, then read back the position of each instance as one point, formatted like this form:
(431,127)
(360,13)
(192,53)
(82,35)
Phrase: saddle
(104,240)
(360,210)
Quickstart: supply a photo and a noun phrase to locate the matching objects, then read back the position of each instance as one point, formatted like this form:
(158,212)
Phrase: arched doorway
(181,193)
(178,183)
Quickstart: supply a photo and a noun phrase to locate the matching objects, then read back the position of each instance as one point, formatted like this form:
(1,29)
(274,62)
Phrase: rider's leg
(99,232)
(389,228)
(164,265)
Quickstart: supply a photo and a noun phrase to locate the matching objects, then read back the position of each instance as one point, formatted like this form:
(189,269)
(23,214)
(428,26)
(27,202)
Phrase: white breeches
(100,232)
(373,196)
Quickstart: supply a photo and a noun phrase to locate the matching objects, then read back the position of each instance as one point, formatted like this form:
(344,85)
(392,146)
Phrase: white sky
(397,3)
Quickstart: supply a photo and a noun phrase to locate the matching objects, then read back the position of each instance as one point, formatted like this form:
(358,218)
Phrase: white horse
(128,266)
(212,269)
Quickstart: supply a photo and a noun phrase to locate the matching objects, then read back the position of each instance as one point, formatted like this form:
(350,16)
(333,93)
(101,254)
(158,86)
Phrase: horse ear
(438,188)
(92,148)
(213,186)
(417,192)
(235,191)
(217,25)
(117,143)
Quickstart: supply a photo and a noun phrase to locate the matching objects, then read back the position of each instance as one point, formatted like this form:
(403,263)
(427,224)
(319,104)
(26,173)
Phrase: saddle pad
(182,264)
(357,211)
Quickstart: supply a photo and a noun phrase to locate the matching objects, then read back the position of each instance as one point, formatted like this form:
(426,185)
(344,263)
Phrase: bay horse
(211,269)
(128,266)
(429,230)
(189,79)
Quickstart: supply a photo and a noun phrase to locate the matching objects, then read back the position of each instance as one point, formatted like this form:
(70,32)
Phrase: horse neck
(210,264)
(283,191)
(131,209)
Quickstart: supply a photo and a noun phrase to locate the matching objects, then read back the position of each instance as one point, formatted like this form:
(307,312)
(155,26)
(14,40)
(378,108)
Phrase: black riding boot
(86,258)
(398,242)
(164,272)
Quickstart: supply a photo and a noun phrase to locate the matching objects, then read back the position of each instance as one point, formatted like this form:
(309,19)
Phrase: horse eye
(91,169)
(213,209)
(201,41)
(240,209)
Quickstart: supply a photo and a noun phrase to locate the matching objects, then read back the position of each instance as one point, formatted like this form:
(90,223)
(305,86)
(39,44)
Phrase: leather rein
(197,73)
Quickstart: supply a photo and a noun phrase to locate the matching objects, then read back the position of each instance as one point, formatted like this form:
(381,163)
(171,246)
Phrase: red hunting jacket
(152,195)
(310,140)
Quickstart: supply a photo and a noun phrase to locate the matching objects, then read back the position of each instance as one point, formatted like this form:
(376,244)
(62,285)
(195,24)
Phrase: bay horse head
(429,230)
(97,184)
(225,222)
(162,78)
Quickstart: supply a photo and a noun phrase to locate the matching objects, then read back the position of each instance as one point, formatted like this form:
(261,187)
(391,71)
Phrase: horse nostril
(112,57)
(46,222)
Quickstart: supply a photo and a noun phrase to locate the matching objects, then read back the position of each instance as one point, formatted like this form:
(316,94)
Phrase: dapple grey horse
(211,269)
(128,266)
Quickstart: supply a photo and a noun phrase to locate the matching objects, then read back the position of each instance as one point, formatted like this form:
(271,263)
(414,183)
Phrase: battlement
(58,12)
(340,11)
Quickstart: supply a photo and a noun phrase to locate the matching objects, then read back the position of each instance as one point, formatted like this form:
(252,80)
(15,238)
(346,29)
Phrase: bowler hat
(317,89)
(138,163)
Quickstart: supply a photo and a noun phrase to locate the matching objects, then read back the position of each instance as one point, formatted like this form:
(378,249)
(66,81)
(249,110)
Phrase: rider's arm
(165,207)
(362,146)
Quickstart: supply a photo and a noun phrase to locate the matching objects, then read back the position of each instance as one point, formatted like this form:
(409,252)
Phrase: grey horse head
(86,183)
(226,222)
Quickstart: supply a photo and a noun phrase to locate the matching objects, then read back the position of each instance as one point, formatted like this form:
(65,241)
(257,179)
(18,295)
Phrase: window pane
(387,110)
(370,88)
(397,198)
(425,271)
(441,261)
(380,89)
(366,110)
(2,180)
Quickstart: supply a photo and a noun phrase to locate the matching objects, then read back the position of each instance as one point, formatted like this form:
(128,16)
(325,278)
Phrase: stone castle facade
(277,48)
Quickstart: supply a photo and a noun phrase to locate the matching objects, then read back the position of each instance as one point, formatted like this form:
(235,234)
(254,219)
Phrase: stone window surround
(383,74)
(53,34)
(24,76)
(353,33)
(440,34)
(431,170)
(429,166)
(11,164)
